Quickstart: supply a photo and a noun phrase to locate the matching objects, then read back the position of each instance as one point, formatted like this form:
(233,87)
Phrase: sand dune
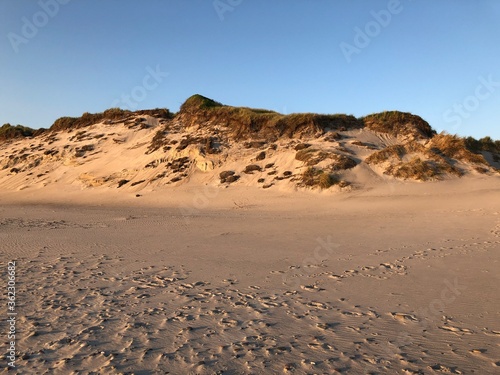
(209,144)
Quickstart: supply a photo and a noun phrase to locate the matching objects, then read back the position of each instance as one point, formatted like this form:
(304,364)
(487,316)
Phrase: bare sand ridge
(402,278)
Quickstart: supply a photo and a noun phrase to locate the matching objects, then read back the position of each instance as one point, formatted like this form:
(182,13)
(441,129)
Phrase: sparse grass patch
(456,148)
(417,169)
(326,180)
(312,157)
(341,162)
(365,145)
(398,123)
(421,170)
(395,151)
(158,141)
(305,154)
(318,177)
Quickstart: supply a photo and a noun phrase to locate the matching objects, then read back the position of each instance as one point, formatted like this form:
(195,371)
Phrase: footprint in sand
(404,317)
(456,330)
(496,231)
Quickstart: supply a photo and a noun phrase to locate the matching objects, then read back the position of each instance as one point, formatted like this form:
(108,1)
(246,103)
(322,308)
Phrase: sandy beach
(400,278)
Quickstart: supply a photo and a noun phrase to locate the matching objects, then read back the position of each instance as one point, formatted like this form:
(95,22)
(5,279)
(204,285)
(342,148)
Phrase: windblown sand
(399,279)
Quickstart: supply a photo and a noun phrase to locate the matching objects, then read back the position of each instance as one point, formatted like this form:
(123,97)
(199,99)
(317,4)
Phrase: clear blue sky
(431,58)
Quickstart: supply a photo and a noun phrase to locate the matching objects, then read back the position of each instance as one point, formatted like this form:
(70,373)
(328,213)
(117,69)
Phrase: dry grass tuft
(421,170)
(317,177)
(379,157)
(454,147)
(399,123)
(397,152)
(312,157)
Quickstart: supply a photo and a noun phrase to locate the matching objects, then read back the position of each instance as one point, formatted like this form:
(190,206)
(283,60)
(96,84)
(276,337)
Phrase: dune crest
(207,142)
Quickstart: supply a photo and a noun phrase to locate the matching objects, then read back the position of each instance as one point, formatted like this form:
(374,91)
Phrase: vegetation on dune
(161,113)
(420,153)
(246,122)
(87,119)
(440,147)
(317,177)
(311,156)
(112,114)
(395,152)
(422,170)
(416,169)
(8,132)
(197,102)
(398,123)
(442,152)
(484,144)
(454,147)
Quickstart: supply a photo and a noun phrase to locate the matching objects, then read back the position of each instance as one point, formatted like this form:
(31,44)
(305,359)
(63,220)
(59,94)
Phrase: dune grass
(422,170)
(313,177)
(398,123)
(456,148)
(87,119)
(481,145)
(8,132)
(245,122)
(395,152)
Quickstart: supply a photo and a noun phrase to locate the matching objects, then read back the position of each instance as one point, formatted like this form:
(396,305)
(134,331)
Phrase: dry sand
(401,278)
